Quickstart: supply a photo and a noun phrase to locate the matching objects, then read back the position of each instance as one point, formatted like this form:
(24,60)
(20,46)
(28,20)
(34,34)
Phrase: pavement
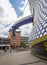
(21,58)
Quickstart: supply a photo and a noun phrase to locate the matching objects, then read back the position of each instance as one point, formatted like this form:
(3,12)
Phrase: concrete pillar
(1,47)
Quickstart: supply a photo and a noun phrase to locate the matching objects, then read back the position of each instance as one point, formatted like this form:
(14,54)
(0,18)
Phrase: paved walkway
(20,58)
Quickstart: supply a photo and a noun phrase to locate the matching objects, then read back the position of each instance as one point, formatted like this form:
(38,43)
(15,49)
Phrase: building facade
(24,39)
(38,37)
(4,42)
(17,39)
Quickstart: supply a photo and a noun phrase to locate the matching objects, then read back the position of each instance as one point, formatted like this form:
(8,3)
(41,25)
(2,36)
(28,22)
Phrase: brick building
(24,39)
(17,39)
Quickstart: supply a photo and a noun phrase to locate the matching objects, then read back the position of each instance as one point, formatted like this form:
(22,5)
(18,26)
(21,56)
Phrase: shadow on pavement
(31,62)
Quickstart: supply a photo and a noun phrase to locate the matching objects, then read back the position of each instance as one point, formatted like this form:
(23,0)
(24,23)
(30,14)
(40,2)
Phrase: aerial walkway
(25,20)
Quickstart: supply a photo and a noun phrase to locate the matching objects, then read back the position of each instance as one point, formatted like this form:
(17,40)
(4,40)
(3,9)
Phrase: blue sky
(17,4)
(10,12)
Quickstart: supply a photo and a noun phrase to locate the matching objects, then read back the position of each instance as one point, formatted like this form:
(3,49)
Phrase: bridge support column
(11,39)
(17,39)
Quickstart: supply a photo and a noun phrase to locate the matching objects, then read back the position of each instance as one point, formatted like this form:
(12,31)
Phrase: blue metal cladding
(23,22)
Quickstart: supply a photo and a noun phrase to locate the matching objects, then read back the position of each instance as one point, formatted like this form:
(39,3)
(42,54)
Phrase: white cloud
(26,29)
(9,16)
(9,12)
(26,10)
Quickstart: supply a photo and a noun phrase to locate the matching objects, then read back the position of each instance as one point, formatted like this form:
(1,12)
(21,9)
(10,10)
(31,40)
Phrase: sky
(10,12)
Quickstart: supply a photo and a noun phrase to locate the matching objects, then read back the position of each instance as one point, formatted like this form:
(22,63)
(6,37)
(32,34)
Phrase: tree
(23,44)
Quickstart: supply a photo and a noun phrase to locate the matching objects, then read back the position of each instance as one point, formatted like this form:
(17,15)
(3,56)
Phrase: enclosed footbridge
(23,21)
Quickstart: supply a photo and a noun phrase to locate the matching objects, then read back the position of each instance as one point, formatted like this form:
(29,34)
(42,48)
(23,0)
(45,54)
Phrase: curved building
(38,37)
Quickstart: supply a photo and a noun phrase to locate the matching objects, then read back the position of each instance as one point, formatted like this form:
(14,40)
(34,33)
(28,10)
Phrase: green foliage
(14,46)
(23,44)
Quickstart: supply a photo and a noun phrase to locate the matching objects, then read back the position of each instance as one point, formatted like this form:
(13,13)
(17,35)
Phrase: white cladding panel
(40,18)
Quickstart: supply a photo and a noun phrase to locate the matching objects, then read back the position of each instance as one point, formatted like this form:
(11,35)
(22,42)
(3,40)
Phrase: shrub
(14,46)
(23,44)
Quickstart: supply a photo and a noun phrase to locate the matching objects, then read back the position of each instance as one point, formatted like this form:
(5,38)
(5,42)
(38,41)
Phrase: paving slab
(20,58)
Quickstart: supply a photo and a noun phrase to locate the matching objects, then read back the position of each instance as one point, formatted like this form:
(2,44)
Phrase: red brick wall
(11,38)
(17,39)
